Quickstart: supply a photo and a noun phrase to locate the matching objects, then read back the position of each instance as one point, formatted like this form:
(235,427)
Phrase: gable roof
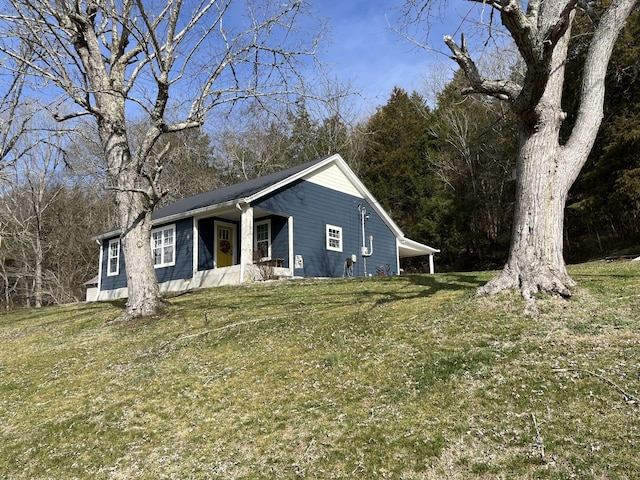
(252,190)
(231,194)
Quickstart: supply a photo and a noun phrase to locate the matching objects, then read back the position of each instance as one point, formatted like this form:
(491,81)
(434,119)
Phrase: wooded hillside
(443,170)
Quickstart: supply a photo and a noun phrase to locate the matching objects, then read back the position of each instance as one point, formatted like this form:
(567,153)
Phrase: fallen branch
(539,441)
(630,399)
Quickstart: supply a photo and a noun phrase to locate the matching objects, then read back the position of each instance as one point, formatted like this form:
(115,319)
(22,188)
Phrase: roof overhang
(411,248)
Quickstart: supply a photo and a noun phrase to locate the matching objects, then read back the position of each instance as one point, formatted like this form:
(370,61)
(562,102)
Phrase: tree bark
(144,299)
(134,214)
(125,174)
(536,262)
(37,268)
(546,169)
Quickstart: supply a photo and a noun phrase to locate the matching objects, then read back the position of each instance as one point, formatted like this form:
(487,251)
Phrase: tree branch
(594,73)
(629,398)
(503,89)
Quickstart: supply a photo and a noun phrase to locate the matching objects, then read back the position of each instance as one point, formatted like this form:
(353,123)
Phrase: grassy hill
(399,377)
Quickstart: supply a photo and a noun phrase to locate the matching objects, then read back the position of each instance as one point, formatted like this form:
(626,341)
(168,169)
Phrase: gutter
(172,218)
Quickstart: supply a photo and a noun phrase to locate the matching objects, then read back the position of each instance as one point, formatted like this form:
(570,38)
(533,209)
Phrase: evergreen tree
(396,171)
(604,205)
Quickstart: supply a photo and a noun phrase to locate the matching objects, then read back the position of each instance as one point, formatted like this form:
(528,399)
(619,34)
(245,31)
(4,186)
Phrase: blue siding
(279,237)
(115,281)
(313,207)
(182,269)
(206,243)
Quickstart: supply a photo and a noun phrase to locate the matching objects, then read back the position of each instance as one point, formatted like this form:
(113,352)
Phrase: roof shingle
(231,192)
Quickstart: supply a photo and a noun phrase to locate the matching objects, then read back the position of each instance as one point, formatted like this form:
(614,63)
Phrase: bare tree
(114,59)
(545,167)
(474,165)
(252,145)
(259,142)
(13,119)
(27,190)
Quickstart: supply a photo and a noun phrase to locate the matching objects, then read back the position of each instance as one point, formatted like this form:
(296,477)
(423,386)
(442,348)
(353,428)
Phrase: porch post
(431,266)
(246,239)
(101,243)
(291,256)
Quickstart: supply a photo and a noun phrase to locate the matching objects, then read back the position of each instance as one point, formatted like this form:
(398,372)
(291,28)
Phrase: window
(262,242)
(113,258)
(163,246)
(334,238)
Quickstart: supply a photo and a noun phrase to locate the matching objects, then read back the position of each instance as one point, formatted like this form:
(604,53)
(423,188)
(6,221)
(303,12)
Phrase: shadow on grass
(602,276)
(222,305)
(454,281)
(432,285)
(332,293)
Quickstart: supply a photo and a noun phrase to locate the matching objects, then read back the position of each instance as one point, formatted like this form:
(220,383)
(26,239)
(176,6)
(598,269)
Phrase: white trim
(100,268)
(329,238)
(411,248)
(291,256)
(196,235)
(266,222)
(109,257)
(291,179)
(203,279)
(162,229)
(331,176)
(397,256)
(246,241)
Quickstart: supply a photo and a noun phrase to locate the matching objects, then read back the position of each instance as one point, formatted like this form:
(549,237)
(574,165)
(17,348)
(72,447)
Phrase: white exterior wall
(206,279)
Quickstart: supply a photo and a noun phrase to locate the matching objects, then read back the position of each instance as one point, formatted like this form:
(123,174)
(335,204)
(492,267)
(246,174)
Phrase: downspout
(364,251)
(100,268)
(196,253)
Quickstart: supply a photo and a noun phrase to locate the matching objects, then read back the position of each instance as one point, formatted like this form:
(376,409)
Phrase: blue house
(312,220)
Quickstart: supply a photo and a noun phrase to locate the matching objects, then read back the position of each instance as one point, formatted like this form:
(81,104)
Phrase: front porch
(239,245)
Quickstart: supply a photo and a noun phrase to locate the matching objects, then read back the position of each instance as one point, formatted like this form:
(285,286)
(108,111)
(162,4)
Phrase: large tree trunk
(39,258)
(545,169)
(144,298)
(536,262)
(134,215)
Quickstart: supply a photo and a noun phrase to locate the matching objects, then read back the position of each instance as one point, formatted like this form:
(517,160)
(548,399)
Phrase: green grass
(400,377)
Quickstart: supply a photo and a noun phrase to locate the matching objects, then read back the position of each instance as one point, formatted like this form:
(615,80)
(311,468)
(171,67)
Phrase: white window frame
(332,237)
(164,262)
(110,257)
(255,238)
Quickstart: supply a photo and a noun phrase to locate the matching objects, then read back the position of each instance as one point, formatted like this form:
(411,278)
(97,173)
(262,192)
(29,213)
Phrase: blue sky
(374,58)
